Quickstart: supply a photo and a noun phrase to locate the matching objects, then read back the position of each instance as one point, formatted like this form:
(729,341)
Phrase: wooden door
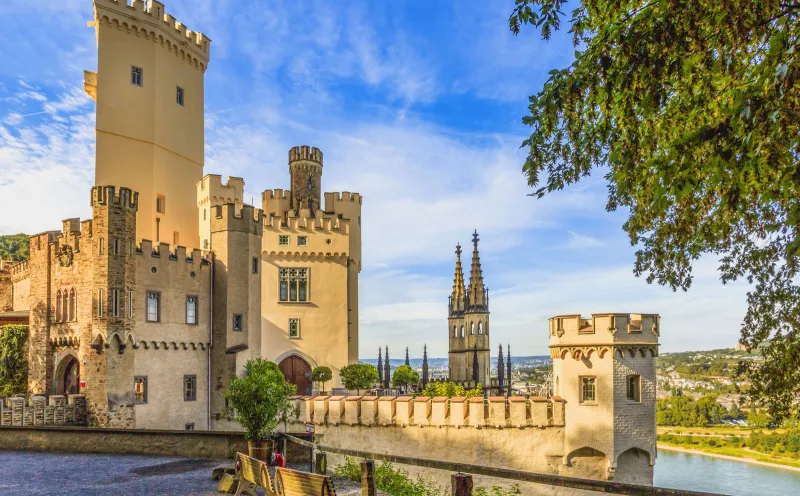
(298,372)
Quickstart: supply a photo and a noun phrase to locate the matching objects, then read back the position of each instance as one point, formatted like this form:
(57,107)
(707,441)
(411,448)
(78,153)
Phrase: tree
(358,376)
(14,247)
(692,112)
(405,376)
(259,400)
(321,374)
(13,363)
(450,390)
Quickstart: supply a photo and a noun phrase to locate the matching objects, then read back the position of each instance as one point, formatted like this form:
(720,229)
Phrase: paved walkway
(28,473)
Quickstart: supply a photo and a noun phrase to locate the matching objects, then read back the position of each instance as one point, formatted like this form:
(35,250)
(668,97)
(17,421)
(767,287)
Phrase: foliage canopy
(14,247)
(358,376)
(405,376)
(451,390)
(692,112)
(260,399)
(321,374)
(13,364)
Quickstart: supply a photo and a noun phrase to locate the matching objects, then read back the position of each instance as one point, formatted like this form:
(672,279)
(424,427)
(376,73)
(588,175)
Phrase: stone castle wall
(42,410)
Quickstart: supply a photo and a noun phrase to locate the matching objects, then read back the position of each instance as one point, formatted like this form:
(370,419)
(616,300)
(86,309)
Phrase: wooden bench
(293,483)
(252,473)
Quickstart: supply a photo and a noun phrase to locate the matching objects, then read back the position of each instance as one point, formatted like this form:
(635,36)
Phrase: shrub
(321,375)
(358,376)
(404,376)
(394,481)
(260,399)
(451,390)
(13,364)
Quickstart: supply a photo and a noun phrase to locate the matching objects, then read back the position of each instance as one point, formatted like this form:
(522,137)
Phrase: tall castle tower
(149,93)
(604,368)
(468,323)
(311,259)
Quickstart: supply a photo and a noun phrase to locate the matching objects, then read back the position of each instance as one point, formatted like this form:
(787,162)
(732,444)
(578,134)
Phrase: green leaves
(13,363)
(694,109)
(358,376)
(260,399)
(14,247)
(404,376)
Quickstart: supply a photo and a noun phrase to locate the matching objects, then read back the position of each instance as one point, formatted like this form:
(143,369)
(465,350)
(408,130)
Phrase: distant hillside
(442,362)
(14,247)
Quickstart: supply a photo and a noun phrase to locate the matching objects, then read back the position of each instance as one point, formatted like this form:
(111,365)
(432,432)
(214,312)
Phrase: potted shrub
(259,400)
(321,375)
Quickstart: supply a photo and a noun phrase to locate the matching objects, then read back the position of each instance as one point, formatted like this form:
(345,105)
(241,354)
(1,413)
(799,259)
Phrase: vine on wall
(13,360)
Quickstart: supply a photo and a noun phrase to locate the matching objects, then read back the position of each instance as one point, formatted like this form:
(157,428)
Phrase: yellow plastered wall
(145,140)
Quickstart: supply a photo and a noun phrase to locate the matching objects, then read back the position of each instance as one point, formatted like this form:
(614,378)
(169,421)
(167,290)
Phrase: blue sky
(417,106)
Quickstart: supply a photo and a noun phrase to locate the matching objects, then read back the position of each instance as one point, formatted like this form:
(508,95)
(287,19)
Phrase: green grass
(738,453)
(712,431)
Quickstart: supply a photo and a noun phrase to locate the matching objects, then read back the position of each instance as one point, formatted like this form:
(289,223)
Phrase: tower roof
(459,290)
(476,292)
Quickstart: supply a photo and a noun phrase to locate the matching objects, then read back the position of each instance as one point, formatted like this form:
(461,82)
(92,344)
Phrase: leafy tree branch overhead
(691,110)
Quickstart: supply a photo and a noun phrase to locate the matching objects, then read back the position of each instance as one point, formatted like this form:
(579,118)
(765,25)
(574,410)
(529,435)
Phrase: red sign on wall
(83,384)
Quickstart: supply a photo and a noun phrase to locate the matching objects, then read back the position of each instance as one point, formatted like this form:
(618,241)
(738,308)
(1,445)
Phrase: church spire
(477,297)
(458,296)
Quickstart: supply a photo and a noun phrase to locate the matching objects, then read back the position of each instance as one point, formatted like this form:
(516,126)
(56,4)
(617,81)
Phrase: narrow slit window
(140,389)
(179,95)
(137,78)
(237,322)
(191,310)
(115,302)
(100,303)
(152,307)
(189,388)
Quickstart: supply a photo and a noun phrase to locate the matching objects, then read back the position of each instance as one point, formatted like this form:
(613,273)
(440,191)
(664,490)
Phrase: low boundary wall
(192,444)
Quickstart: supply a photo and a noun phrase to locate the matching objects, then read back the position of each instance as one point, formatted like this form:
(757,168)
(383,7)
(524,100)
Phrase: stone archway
(298,372)
(68,375)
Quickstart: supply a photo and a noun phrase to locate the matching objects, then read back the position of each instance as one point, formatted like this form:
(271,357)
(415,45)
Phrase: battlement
(495,412)
(105,195)
(212,189)
(276,194)
(312,154)
(229,218)
(165,251)
(143,18)
(303,221)
(19,271)
(345,196)
(625,333)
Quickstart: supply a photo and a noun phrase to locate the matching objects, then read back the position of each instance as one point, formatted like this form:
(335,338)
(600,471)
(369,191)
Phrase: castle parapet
(109,195)
(228,218)
(312,154)
(496,412)
(164,253)
(602,332)
(144,21)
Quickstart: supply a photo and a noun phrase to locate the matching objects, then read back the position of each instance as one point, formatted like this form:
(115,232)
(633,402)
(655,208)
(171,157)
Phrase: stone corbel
(613,327)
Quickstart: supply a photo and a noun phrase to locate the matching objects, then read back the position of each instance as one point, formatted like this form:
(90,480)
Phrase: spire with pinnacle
(387,376)
(477,297)
(501,370)
(508,370)
(458,296)
(407,360)
(424,366)
(380,366)
(475,366)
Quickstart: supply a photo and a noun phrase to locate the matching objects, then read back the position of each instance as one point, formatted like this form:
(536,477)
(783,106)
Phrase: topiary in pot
(259,400)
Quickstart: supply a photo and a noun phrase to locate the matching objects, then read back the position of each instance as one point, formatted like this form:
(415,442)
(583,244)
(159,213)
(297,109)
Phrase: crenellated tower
(150,113)
(468,323)
(305,171)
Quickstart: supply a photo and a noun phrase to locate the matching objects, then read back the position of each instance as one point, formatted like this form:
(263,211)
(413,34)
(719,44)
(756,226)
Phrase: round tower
(305,170)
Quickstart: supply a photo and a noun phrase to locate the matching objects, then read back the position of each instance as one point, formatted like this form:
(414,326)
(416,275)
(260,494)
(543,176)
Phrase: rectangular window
(255,265)
(204,214)
(100,303)
(179,95)
(153,313)
(189,427)
(161,204)
(191,310)
(176,238)
(588,389)
(237,322)
(115,302)
(283,240)
(634,388)
(302,241)
(294,328)
(130,304)
(136,76)
(116,246)
(102,246)
(293,284)
(140,388)
(189,388)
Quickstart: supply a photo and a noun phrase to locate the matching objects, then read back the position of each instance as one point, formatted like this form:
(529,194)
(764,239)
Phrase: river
(717,475)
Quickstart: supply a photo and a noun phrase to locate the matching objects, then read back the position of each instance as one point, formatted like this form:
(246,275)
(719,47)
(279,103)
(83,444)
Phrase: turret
(604,370)
(305,169)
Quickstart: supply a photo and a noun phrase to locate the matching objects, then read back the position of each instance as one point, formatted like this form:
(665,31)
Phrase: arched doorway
(68,377)
(298,372)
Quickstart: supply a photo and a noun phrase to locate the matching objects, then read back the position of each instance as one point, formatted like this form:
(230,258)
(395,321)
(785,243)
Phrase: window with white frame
(588,389)
(140,388)
(153,313)
(294,328)
(293,284)
(137,78)
(191,310)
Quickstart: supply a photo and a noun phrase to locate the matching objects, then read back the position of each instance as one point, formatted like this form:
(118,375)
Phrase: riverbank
(740,456)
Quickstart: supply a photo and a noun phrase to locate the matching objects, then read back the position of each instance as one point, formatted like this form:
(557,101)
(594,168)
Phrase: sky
(417,106)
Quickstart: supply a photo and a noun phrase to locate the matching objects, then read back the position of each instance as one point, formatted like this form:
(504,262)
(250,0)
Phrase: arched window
(73,305)
(472,329)
(462,331)
(480,329)
(455,331)
(65,307)
(58,306)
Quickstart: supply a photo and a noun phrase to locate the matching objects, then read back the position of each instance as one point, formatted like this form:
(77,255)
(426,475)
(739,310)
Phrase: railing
(461,479)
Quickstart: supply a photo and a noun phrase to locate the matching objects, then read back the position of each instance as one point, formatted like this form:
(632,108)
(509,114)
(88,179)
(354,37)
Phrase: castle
(150,307)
